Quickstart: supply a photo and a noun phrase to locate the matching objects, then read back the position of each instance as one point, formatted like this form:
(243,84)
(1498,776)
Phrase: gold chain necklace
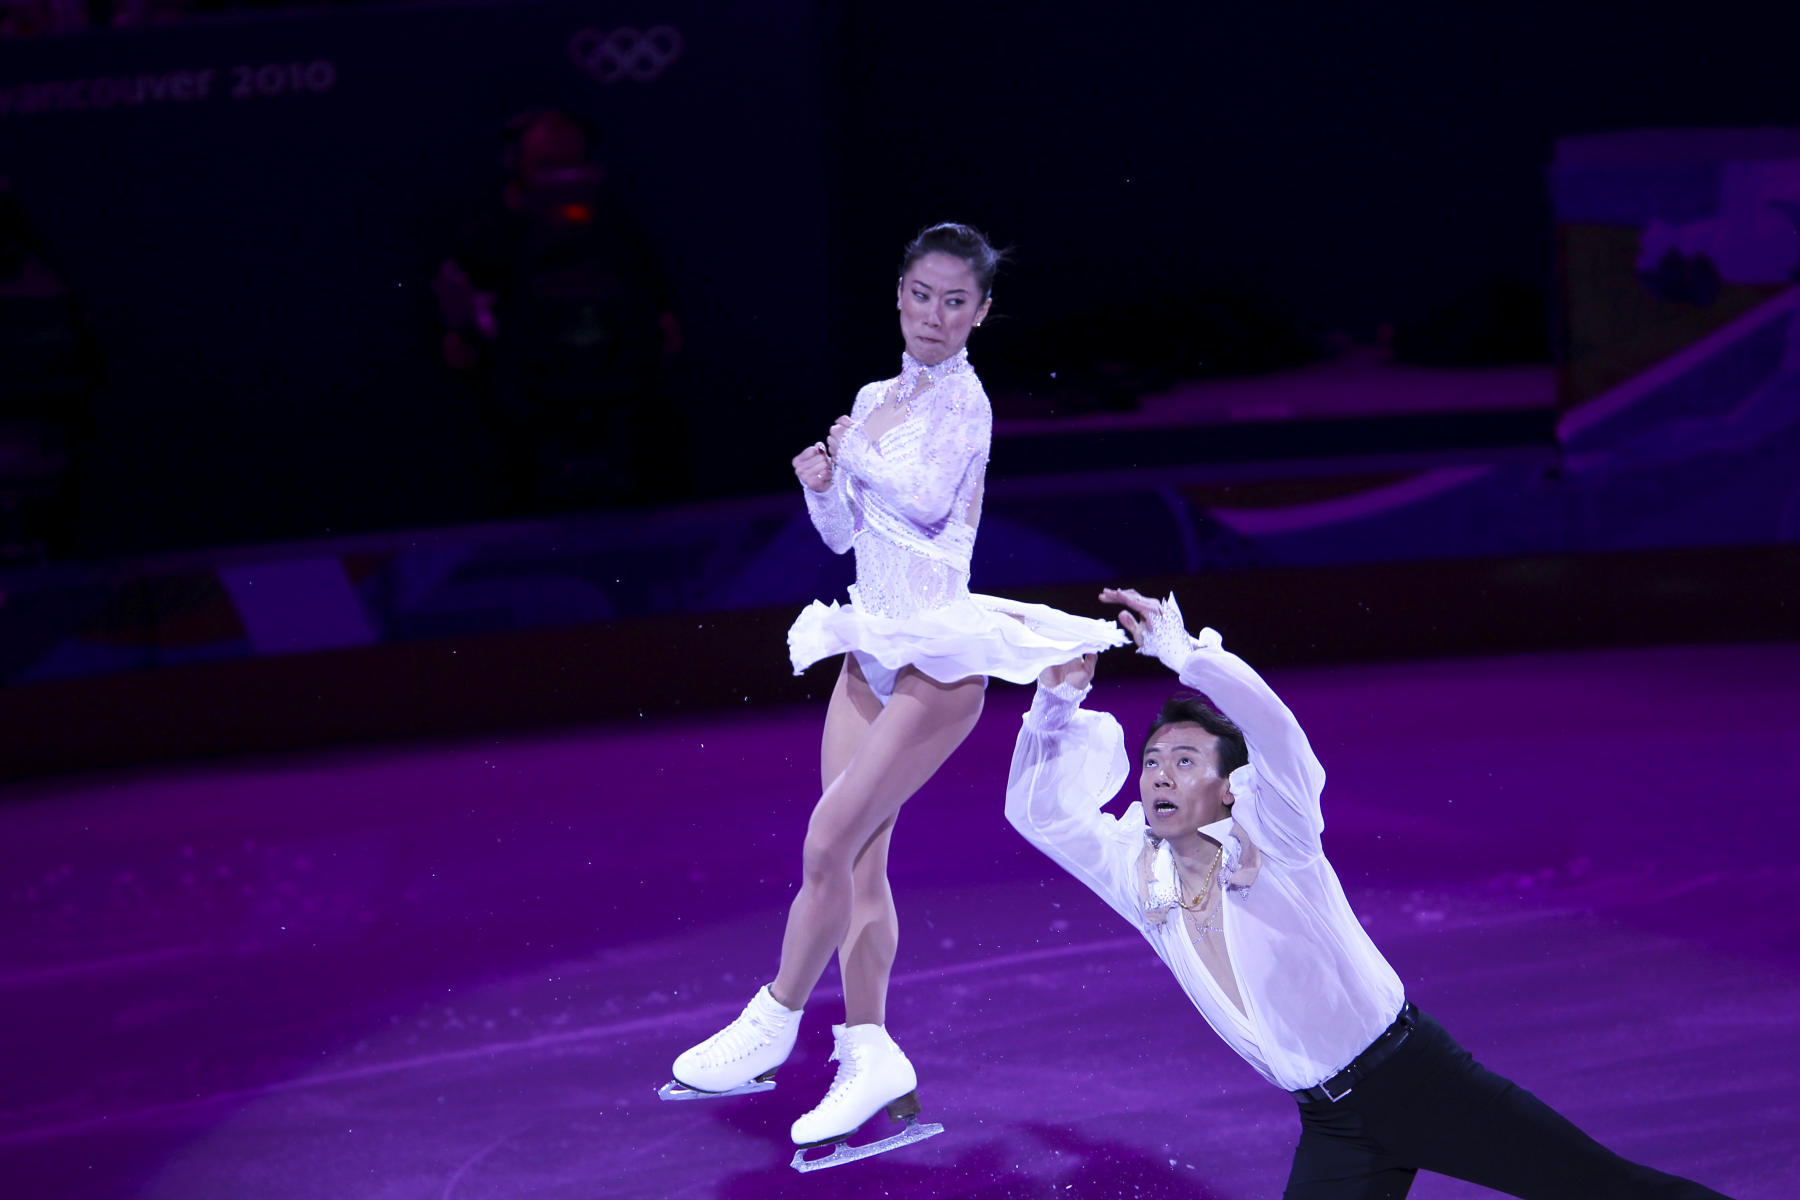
(1212,873)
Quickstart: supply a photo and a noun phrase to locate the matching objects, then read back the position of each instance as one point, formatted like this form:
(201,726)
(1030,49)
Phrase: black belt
(1339,1085)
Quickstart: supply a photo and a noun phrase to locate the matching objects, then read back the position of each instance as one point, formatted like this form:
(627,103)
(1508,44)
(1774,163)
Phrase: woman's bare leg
(866,955)
(853,709)
(923,723)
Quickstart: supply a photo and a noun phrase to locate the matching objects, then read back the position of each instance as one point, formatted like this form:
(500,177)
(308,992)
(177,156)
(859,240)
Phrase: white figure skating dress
(908,503)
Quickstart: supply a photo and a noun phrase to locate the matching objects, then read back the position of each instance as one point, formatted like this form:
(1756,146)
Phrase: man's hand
(1140,613)
(1155,625)
(1078,672)
(463,306)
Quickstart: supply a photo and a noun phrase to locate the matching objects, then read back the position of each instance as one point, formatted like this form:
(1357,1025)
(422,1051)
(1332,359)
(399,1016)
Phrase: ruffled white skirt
(972,635)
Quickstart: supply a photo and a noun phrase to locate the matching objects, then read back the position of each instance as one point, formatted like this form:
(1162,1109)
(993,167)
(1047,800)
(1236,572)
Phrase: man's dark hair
(1198,710)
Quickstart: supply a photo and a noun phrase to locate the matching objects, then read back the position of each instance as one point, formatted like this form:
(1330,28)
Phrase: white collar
(912,370)
(1219,830)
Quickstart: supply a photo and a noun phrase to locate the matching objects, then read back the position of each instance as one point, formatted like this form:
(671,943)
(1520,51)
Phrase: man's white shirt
(1316,991)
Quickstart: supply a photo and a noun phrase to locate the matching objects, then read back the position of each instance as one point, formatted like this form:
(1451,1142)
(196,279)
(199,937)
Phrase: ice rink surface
(459,971)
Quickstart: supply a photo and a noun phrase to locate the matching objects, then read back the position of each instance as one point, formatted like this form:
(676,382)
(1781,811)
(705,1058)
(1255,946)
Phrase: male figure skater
(1223,870)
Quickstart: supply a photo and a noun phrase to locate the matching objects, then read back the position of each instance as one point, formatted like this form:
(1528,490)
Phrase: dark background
(1186,190)
(1313,168)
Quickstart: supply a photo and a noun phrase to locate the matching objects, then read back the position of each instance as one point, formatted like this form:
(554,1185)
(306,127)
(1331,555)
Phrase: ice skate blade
(676,1090)
(843,1152)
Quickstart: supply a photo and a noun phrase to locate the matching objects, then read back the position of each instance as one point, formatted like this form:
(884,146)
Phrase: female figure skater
(900,480)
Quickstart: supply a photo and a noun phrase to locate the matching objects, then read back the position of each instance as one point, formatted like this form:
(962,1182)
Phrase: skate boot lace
(736,1040)
(849,1061)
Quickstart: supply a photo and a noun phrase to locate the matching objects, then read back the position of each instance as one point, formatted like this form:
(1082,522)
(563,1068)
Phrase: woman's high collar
(913,372)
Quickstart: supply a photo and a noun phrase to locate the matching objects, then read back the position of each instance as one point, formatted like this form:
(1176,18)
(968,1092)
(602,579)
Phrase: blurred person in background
(555,309)
(49,369)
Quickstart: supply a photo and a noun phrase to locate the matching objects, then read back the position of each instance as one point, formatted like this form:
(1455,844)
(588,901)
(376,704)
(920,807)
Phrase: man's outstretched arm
(1066,764)
(1284,815)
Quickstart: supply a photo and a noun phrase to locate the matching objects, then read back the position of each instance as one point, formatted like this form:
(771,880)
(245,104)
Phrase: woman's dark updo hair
(962,241)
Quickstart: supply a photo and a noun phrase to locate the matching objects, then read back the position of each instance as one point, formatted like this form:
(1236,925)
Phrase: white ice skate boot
(872,1074)
(741,1057)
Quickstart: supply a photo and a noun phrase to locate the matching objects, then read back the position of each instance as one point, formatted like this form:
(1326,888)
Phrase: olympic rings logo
(626,53)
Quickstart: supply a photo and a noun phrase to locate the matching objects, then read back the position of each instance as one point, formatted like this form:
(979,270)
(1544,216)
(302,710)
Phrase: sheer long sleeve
(831,511)
(957,430)
(1283,815)
(1067,763)
(831,514)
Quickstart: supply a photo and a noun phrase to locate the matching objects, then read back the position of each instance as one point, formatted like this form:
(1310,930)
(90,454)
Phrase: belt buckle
(1325,1088)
